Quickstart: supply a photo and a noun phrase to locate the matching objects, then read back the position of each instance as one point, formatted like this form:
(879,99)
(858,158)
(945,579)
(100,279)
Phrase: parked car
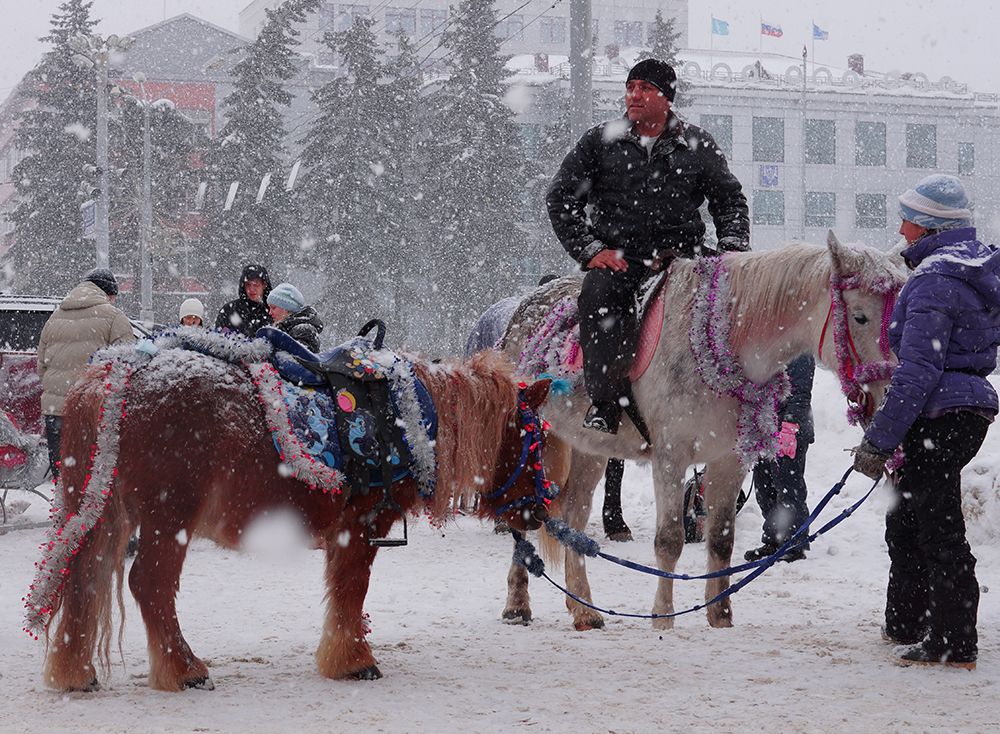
(23,452)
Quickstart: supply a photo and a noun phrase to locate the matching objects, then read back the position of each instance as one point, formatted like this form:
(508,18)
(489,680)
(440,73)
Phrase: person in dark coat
(944,329)
(780,485)
(291,314)
(247,312)
(643,178)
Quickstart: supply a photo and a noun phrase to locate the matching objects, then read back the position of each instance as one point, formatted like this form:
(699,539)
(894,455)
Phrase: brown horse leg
(723,478)
(154,581)
(669,540)
(343,650)
(585,472)
(518,607)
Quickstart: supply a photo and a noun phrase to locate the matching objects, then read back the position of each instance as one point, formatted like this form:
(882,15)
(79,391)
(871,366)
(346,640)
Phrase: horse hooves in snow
(621,536)
(585,625)
(370,673)
(202,683)
(91,687)
(517,616)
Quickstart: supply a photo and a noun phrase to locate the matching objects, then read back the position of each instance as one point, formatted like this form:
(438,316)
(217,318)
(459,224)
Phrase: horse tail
(81,611)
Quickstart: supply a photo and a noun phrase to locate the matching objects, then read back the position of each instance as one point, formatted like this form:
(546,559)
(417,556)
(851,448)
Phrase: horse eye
(861,319)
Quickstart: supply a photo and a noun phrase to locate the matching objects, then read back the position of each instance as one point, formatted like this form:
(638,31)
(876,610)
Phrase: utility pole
(802,230)
(581,102)
(146,218)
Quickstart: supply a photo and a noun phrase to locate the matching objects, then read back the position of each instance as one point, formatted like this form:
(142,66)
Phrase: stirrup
(389,542)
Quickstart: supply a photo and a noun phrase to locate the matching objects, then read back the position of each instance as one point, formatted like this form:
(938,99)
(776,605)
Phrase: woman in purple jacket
(944,330)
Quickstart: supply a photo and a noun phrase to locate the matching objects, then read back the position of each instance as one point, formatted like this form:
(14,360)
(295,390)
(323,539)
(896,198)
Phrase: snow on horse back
(713,388)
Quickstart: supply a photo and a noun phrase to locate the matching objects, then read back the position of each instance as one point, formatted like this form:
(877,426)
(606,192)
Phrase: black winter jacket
(798,407)
(645,203)
(304,326)
(241,314)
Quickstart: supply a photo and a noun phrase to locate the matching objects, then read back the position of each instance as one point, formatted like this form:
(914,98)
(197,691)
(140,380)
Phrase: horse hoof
(517,616)
(204,683)
(585,625)
(621,536)
(370,673)
(91,687)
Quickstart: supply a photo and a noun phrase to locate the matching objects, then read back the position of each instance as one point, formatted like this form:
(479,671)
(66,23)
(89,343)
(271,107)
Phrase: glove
(733,244)
(787,443)
(869,460)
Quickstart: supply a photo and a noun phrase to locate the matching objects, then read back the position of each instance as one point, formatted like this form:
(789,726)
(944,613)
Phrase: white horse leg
(668,486)
(585,472)
(723,478)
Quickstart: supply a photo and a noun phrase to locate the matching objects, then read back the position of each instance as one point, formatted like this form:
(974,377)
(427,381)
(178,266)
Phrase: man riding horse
(644,178)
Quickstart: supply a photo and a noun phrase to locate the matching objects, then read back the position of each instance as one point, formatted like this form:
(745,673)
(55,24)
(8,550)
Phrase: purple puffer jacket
(945,330)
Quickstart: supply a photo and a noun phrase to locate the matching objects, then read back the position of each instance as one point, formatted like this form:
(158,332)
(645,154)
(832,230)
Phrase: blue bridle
(533,429)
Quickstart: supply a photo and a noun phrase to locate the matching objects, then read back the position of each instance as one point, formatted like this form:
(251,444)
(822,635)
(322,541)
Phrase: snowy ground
(805,655)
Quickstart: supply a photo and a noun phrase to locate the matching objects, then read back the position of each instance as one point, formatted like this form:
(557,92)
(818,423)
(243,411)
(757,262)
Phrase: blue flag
(819,34)
(719,27)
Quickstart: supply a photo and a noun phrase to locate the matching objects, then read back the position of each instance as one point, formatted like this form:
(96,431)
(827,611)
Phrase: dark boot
(767,549)
(923,655)
(604,417)
(614,523)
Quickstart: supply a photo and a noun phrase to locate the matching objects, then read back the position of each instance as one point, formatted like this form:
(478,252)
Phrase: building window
(553,30)
(869,144)
(511,29)
(821,209)
(966,159)
(346,15)
(432,21)
(628,32)
(401,20)
(821,141)
(769,139)
(769,207)
(327,16)
(870,209)
(921,146)
(721,128)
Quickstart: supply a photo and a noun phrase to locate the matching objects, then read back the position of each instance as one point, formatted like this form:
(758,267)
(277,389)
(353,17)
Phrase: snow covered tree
(663,37)
(472,166)
(50,254)
(251,146)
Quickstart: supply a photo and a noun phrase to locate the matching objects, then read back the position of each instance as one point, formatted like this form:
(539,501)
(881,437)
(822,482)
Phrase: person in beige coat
(85,321)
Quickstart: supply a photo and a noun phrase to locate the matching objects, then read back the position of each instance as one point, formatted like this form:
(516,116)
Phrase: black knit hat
(658,73)
(103,279)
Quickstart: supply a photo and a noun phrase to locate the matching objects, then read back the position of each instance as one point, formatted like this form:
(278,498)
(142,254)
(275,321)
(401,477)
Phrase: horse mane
(475,400)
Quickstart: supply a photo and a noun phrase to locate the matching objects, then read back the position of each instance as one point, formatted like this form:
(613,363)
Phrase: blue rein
(524,554)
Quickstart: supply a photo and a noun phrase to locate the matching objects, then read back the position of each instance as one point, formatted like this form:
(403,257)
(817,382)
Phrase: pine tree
(663,41)
(473,166)
(50,254)
(251,145)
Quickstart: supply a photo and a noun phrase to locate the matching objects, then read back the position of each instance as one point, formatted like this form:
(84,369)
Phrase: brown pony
(195,458)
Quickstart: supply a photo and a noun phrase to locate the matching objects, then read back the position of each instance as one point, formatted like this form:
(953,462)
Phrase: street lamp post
(146,215)
(95,52)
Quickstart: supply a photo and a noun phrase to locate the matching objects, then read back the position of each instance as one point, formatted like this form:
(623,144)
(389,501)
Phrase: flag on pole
(766,29)
(819,34)
(720,27)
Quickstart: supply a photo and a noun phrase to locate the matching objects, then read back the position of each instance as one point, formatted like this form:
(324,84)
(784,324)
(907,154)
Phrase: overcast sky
(938,37)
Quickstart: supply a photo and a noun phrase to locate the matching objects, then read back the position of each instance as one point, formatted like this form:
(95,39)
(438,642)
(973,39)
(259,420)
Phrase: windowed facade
(870,211)
(768,207)
(966,159)
(628,32)
(432,22)
(720,127)
(552,30)
(401,20)
(821,209)
(821,141)
(869,144)
(921,146)
(769,139)
(510,29)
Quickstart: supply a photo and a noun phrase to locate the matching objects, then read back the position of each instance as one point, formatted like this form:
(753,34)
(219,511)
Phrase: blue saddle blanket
(312,410)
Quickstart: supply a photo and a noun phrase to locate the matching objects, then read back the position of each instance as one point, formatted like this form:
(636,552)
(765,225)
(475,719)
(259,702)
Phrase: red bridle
(852,371)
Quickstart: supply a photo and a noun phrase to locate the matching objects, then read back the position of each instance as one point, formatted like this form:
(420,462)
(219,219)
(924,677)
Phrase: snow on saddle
(548,324)
(357,408)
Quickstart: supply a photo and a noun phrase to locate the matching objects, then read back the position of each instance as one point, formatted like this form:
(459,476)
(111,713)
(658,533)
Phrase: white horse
(832,302)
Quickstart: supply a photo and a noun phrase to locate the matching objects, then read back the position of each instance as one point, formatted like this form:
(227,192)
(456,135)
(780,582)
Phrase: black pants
(780,488)
(932,572)
(609,330)
(53,436)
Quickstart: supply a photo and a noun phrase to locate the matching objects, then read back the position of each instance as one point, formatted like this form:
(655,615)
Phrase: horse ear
(839,254)
(536,393)
(895,254)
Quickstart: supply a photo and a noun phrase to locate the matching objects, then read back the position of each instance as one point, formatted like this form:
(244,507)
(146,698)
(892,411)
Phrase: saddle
(373,446)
